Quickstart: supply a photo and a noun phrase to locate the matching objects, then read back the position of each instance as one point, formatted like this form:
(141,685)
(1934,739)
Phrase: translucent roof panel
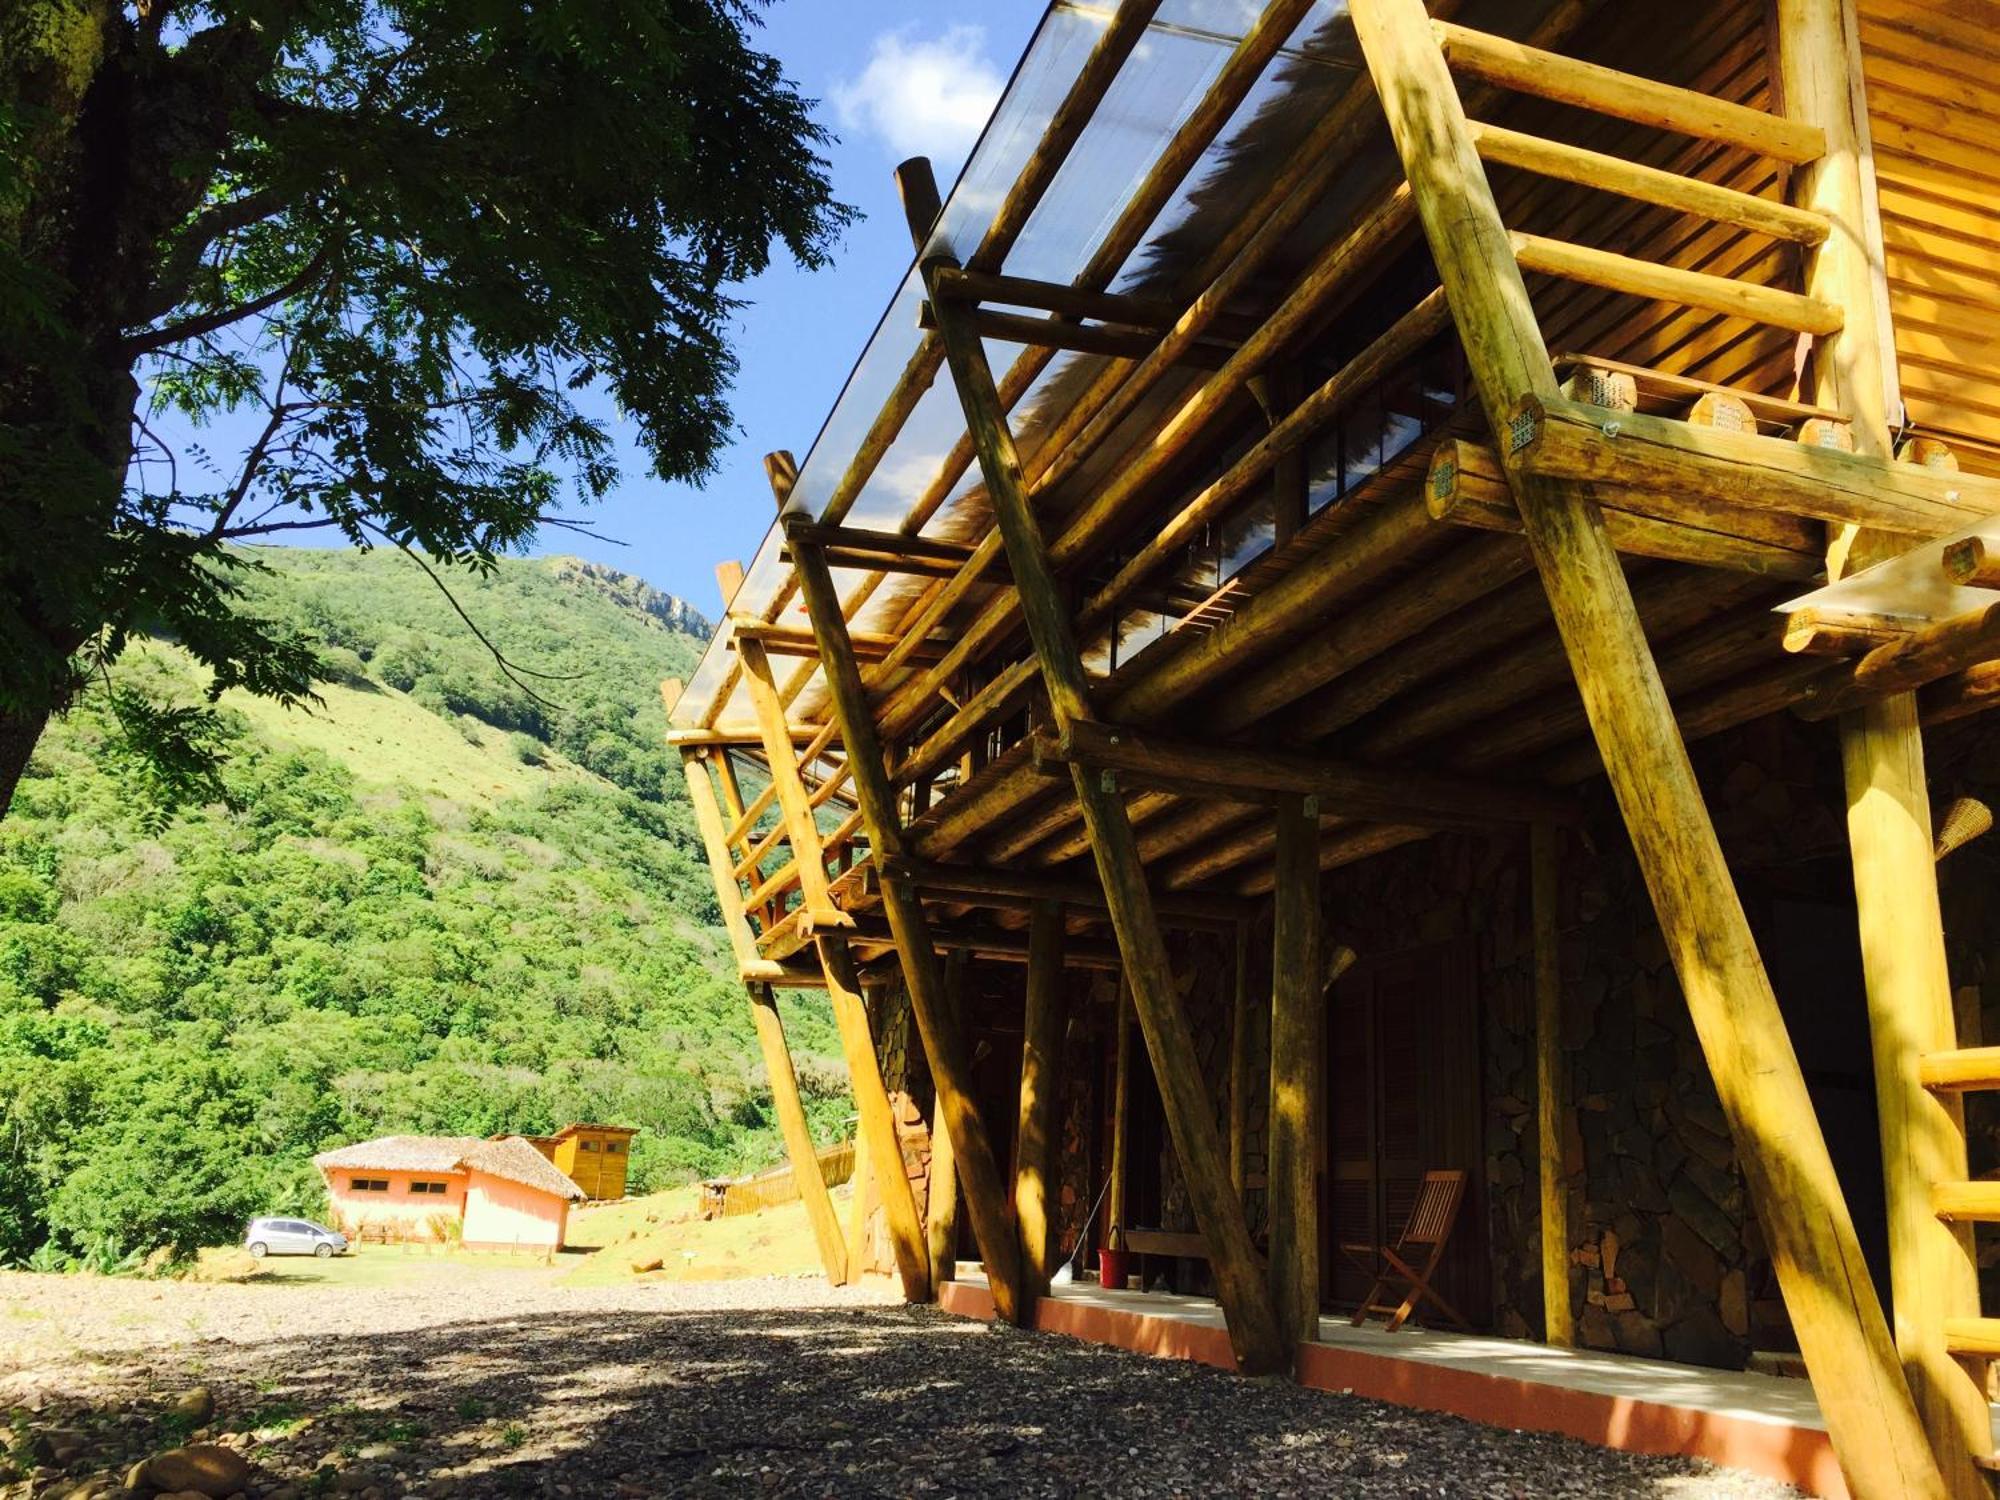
(1168,73)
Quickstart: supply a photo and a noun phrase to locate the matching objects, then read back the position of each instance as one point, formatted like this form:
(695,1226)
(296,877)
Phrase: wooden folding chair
(1408,1265)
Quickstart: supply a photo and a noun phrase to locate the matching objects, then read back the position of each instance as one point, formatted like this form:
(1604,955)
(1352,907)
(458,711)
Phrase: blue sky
(894,78)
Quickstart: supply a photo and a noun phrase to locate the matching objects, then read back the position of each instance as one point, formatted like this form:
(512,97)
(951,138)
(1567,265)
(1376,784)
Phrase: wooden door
(1403,1098)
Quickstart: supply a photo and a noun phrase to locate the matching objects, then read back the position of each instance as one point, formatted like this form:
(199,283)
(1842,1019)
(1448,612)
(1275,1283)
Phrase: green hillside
(441,902)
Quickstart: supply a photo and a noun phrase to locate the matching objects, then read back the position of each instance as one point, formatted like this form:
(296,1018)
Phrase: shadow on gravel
(855,1402)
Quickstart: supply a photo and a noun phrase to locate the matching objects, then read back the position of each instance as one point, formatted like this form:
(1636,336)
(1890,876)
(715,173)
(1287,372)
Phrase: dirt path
(474,1382)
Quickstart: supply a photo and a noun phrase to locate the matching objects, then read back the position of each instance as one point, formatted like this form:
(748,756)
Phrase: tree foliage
(404,237)
(335,948)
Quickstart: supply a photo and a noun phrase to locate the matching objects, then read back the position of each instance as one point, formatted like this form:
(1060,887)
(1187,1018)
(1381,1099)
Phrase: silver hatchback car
(292,1237)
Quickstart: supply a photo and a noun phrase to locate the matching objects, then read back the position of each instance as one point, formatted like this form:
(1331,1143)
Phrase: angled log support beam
(1859,1381)
(1933,1275)
(1551,1094)
(877,1127)
(1156,997)
(792,1125)
(978,1170)
(1041,1093)
(1294,1130)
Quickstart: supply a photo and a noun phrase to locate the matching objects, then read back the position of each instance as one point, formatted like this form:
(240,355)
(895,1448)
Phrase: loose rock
(196,1408)
(203,1469)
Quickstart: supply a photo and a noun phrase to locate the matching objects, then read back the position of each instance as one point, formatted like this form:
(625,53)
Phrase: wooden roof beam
(797,640)
(1553,438)
(1267,776)
(1014,890)
(1468,487)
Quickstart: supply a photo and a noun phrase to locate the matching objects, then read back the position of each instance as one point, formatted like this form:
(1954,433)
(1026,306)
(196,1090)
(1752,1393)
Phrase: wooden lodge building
(1403,593)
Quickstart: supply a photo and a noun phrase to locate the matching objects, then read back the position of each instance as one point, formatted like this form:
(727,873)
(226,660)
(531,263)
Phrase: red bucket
(1115,1267)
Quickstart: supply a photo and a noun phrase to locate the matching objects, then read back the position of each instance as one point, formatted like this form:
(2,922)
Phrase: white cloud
(923,96)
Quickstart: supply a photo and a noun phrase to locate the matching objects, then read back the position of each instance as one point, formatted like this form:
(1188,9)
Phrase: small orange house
(594,1157)
(489,1195)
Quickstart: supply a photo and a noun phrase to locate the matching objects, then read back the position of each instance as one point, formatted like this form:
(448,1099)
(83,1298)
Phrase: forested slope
(437,904)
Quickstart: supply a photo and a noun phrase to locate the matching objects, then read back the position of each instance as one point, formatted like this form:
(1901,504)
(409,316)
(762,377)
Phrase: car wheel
(323,1251)
(258,1249)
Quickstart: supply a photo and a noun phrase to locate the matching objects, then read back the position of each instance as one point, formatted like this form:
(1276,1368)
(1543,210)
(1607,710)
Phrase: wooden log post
(877,1119)
(860,1203)
(977,1168)
(799,1147)
(1297,1000)
(1156,997)
(941,1211)
(1551,1093)
(1933,1275)
(1242,1021)
(1035,1142)
(1842,1333)
(1116,1212)
(776,1052)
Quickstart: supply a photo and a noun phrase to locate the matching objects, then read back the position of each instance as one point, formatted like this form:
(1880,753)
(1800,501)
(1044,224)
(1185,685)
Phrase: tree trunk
(19,733)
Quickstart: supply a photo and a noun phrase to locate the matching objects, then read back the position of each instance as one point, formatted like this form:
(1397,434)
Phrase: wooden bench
(1166,1242)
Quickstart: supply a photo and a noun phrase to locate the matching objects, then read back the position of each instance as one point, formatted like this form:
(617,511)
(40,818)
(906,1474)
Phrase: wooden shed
(595,1157)
(1418,555)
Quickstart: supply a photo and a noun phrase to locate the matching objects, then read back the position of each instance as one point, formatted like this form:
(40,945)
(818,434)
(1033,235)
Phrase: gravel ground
(506,1384)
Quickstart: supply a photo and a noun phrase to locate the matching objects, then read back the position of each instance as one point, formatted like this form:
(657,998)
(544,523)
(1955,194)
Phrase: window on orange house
(427,1187)
(369,1184)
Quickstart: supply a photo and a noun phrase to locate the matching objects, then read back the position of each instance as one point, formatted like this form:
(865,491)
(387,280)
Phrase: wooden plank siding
(1933,79)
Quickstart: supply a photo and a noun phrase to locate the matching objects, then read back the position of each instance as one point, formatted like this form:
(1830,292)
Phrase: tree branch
(209,226)
(507,668)
(222,317)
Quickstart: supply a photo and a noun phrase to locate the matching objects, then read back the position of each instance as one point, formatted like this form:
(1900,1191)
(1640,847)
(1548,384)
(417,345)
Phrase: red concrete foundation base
(1802,1456)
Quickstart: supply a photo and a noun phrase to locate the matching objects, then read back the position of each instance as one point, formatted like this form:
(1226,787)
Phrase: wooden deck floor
(1762,1423)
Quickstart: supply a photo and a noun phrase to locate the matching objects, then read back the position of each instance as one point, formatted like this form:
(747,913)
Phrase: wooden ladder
(1518,68)
(1963,1070)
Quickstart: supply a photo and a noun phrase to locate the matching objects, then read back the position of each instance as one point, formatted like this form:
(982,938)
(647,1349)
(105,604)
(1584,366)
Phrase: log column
(1121,1115)
(941,1209)
(1041,1092)
(1842,1332)
(1551,1094)
(1932,1271)
(1241,1037)
(1293,1132)
(877,1119)
(1184,1093)
(980,1182)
